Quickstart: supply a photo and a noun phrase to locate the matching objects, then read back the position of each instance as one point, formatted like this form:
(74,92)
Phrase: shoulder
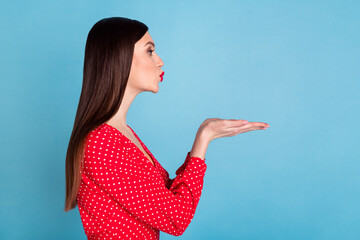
(103,139)
(99,131)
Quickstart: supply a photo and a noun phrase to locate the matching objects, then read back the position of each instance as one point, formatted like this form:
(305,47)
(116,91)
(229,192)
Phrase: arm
(199,149)
(213,128)
(141,191)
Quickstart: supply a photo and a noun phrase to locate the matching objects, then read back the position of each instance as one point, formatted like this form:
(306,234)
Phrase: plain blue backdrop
(292,64)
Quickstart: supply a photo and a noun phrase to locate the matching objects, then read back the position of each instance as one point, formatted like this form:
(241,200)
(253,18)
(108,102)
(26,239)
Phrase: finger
(235,123)
(248,125)
(259,124)
(252,126)
(256,127)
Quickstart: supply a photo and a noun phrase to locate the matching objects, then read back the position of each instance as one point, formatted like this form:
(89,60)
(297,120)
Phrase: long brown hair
(108,56)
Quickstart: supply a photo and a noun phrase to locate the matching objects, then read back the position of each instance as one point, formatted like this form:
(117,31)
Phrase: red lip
(161,75)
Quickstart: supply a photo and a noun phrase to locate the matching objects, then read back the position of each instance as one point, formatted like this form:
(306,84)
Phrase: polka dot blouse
(122,195)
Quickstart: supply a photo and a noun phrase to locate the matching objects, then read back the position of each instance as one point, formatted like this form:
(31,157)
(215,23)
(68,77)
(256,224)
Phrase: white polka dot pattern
(122,195)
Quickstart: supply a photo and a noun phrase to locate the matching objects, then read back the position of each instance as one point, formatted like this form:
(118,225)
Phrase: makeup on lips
(161,76)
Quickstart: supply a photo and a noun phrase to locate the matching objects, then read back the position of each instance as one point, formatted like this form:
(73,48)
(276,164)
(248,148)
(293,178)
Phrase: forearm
(200,145)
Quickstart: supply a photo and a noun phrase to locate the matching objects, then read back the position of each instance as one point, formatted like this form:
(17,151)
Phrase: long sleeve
(179,171)
(140,189)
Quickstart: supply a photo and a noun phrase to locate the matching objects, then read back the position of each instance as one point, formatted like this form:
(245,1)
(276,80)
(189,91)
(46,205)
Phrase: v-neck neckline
(141,143)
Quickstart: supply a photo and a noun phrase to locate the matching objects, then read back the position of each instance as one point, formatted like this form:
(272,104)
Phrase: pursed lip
(161,76)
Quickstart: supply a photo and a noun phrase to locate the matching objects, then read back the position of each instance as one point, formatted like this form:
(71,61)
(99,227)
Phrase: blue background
(292,64)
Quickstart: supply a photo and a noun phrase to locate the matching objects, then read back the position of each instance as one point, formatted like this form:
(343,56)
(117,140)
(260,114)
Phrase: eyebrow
(149,42)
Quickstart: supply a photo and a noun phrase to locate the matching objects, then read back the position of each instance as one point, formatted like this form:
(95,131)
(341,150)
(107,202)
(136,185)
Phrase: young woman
(121,190)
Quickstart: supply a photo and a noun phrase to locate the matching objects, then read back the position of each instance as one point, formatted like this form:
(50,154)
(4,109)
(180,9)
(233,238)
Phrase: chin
(156,89)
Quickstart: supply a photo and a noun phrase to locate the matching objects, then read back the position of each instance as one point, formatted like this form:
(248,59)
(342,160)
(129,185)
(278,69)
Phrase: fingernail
(245,122)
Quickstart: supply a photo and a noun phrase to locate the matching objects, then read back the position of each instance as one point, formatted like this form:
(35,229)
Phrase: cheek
(141,73)
(145,68)
(146,65)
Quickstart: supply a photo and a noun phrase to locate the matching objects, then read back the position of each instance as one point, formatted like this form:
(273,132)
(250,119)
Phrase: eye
(151,51)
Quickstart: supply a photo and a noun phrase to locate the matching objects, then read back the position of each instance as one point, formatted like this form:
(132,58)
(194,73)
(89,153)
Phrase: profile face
(146,66)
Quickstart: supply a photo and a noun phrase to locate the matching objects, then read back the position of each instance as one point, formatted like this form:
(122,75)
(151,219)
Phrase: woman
(121,190)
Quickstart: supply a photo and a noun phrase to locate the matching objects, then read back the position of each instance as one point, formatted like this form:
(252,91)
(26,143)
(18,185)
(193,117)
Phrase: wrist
(204,134)
(200,145)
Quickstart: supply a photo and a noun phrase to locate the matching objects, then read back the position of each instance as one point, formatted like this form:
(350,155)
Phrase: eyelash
(151,51)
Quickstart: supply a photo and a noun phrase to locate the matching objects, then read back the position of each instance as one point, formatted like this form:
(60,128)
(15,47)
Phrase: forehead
(145,41)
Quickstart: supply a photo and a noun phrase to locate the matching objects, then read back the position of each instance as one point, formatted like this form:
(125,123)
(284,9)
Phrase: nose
(160,63)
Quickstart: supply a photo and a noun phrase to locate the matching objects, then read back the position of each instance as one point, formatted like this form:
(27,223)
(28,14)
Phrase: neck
(119,119)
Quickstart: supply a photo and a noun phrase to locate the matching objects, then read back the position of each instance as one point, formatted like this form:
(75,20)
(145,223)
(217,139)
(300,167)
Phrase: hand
(216,127)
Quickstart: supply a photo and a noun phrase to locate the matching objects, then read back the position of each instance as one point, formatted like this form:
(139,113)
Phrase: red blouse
(122,195)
